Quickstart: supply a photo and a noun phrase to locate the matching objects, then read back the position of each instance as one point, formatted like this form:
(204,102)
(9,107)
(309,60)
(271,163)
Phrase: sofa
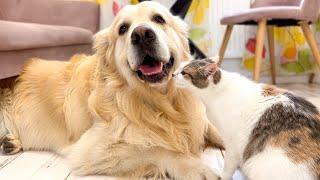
(49,29)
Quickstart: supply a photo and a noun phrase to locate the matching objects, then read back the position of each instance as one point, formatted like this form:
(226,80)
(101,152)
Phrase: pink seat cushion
(11,62)
(264,3)
(256,14)
(74,13)
(18,36)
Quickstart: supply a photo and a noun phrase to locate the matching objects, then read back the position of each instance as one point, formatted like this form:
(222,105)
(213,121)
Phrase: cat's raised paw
(10,145)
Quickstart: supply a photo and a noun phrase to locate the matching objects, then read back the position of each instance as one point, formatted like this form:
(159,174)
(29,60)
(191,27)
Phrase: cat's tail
(5,106)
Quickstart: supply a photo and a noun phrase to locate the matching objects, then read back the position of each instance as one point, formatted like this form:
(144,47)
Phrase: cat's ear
(211,68)
(215,59)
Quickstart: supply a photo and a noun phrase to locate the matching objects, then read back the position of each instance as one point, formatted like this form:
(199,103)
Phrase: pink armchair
(50,29)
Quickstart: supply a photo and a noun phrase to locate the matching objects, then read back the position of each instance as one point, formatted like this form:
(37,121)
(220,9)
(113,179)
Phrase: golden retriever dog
(118,111)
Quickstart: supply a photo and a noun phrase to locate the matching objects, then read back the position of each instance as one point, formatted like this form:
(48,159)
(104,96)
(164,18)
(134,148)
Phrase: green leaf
(293,67)
(196,33)
(318,25)
(304,59)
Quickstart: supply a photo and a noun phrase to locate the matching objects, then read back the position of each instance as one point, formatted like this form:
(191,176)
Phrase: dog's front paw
(10,144)
(225,177)
(221,178)
(195,172)
(203,173)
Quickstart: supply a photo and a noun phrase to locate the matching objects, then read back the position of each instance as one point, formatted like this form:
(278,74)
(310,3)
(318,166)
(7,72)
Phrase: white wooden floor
(48,166)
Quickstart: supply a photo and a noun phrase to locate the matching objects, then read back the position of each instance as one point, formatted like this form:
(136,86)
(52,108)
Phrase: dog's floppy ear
(101,42)
(182,30)
(102,45)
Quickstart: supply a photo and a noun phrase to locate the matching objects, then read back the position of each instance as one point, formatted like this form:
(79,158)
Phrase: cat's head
(198,74)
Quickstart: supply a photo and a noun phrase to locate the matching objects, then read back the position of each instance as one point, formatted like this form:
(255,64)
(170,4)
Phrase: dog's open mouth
(153,70)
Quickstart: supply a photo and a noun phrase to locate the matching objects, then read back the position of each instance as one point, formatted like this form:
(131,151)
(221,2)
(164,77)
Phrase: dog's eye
(158,19)
(123,28)
(183,73)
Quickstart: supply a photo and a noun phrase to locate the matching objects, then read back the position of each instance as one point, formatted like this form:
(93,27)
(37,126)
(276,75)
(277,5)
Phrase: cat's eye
(123,28)
(158,19)
(186,75)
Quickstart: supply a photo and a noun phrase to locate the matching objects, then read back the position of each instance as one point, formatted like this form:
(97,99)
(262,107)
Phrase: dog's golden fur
(136,129)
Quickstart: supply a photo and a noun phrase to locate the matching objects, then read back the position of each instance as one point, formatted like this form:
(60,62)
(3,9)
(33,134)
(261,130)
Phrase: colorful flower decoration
(196,33)
(198,8)
(301,65)
(251,47)
(134,1)
(248,61)
(317,25)
(289,54)
(291,36)
(289,40)
(295,56)
(100,1)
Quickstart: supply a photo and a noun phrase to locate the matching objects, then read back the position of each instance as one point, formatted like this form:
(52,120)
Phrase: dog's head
(147,43)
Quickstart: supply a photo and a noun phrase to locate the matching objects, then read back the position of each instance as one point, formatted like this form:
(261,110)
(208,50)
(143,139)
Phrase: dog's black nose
(142,35)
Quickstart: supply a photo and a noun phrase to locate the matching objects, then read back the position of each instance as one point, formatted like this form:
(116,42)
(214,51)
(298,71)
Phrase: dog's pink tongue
(151,69)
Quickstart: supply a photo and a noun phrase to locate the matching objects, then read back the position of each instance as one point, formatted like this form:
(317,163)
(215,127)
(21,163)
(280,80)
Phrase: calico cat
(268,132)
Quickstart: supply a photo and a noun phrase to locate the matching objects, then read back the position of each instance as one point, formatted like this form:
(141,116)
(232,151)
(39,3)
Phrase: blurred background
(294,60)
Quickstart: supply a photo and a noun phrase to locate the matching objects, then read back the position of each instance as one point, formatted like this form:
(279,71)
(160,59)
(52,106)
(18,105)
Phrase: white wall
(220,8)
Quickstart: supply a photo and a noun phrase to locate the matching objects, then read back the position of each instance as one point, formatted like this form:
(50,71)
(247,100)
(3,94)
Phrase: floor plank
(72,177)
(309,91)
(24,166)
(5,159)
(54,168)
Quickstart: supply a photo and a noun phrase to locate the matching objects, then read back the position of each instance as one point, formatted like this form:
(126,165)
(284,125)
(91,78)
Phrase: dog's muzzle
(151,67)
(143,37)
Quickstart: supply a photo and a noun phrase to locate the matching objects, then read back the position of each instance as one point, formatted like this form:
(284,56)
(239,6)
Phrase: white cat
(268,132)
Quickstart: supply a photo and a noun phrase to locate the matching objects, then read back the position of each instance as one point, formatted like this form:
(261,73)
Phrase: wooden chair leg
(311,77)
(272,54)
(312,43)
(225,43)
(259,48)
